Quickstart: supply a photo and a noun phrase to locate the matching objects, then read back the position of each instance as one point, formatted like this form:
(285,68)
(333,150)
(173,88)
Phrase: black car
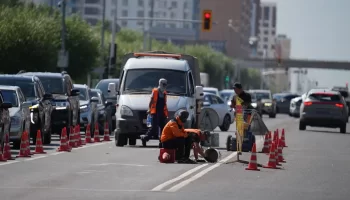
(344,91)
(283,101)
(112,99)
(103,108)
(4,118)
(41,108)
(65,99)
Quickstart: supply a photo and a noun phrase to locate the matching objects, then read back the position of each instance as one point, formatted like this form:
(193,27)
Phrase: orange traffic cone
(81,141)
(106,133)
(266,144)
(2,157)
(64,146)
(253,161)
(88,135)
(272,159)
(39,144)
(280,154)
(7,148)
(27,137)
(276,153)
(283,139)
(96,134)
(71,137)
(23,153)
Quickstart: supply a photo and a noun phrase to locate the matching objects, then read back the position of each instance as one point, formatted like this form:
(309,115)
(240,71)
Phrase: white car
(211,90)
(227,95)
(225,113)
(294,107)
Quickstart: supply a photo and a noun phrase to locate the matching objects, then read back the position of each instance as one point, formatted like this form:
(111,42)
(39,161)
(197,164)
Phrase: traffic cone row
(66,144)
(275,150)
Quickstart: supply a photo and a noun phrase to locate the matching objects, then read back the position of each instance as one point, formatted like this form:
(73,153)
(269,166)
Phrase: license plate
(144,121)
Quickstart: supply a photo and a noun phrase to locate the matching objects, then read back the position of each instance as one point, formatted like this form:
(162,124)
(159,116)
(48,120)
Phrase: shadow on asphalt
(334,132)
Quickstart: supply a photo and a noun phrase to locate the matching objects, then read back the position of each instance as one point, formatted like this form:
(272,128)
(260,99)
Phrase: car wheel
(272,115)
(343,128)
(120,140)
(302,126)
(226,123)
(229,143)
(132,141)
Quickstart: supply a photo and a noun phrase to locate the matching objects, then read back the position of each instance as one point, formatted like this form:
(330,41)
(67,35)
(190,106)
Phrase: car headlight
(254,105)
(15,121)
(61,105)
(84,108)
(268,104)
(126,111)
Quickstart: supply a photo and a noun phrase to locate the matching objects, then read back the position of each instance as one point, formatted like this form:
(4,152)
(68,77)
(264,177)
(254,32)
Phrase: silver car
(323,108)
(19,113)
(294,107)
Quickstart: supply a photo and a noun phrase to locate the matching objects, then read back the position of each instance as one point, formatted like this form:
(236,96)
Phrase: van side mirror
(6,105)
(199,92)
(94,99)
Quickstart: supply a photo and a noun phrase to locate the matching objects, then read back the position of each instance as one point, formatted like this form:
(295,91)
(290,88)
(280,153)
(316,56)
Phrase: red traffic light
(207,15)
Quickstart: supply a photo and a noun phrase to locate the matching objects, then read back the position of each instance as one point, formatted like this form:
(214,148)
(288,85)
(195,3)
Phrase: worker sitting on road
(175,137)
(159,111)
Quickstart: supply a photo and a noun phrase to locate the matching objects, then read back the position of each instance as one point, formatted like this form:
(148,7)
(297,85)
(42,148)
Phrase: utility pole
(150,26)
(262,70)
(62,61)
(103,31)
(112,53)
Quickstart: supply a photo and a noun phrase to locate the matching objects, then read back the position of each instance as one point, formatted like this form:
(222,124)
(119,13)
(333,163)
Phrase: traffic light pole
(112,53)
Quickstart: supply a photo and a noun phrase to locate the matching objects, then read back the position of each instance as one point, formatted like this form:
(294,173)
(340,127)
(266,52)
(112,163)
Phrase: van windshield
(144,80)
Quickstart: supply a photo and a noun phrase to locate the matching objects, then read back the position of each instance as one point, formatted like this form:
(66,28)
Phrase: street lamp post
(62,61)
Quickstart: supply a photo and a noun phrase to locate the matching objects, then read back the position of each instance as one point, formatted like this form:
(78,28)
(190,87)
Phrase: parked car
(103,109)
(283,101)
(323,108)
(263,102)
(88,107)
(65,99)
(41,108)
(19,113)
(294,108)
(225,113)
(112,99)
(227,95)
(5,119)
(211,90)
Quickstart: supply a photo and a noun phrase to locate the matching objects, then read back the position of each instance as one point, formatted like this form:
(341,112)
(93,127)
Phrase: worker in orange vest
(159,111)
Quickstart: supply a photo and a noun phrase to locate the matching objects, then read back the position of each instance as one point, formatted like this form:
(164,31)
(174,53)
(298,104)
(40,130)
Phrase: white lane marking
(200,174)
(9,162)
(56,153)
(34,158)
(189,172)
(74,189)
(122,164)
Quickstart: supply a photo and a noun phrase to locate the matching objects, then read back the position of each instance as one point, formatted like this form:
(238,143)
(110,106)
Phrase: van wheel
(302,126)
(120,140)
(343,129)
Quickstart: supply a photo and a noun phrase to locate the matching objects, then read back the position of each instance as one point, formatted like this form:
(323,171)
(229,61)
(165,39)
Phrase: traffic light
(227,79)
(206,20)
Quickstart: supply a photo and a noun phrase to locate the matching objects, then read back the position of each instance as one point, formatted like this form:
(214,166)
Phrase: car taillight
(307,103)
(339,105)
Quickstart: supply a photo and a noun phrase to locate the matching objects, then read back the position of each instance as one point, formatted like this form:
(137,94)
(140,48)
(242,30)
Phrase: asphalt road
(317,167)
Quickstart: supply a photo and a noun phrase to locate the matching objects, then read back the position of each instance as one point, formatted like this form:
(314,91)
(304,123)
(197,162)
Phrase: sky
(319,29)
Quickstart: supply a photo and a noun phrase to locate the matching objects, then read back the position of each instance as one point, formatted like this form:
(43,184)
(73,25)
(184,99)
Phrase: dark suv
(65,98)
(41,108)
(4,118)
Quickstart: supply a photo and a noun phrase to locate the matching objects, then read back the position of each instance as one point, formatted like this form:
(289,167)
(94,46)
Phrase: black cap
(237,85)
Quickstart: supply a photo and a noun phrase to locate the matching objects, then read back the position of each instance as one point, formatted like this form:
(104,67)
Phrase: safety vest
(154,102)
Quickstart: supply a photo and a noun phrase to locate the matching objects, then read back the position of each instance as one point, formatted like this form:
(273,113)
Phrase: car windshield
(325,97)
(144,80)
(52,85)
(103,86)
(10,96)
(210,91)
(226,95)
(27,87)
(83,94)
(260,95)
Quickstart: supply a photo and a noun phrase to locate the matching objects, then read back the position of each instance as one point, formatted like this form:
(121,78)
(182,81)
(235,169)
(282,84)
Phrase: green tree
(30,40)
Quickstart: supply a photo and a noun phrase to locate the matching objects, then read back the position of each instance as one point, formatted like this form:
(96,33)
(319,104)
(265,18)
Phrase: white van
(140,74)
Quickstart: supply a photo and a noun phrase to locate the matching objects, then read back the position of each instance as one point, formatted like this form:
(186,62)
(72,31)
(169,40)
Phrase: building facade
(235,37)
(267,29)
